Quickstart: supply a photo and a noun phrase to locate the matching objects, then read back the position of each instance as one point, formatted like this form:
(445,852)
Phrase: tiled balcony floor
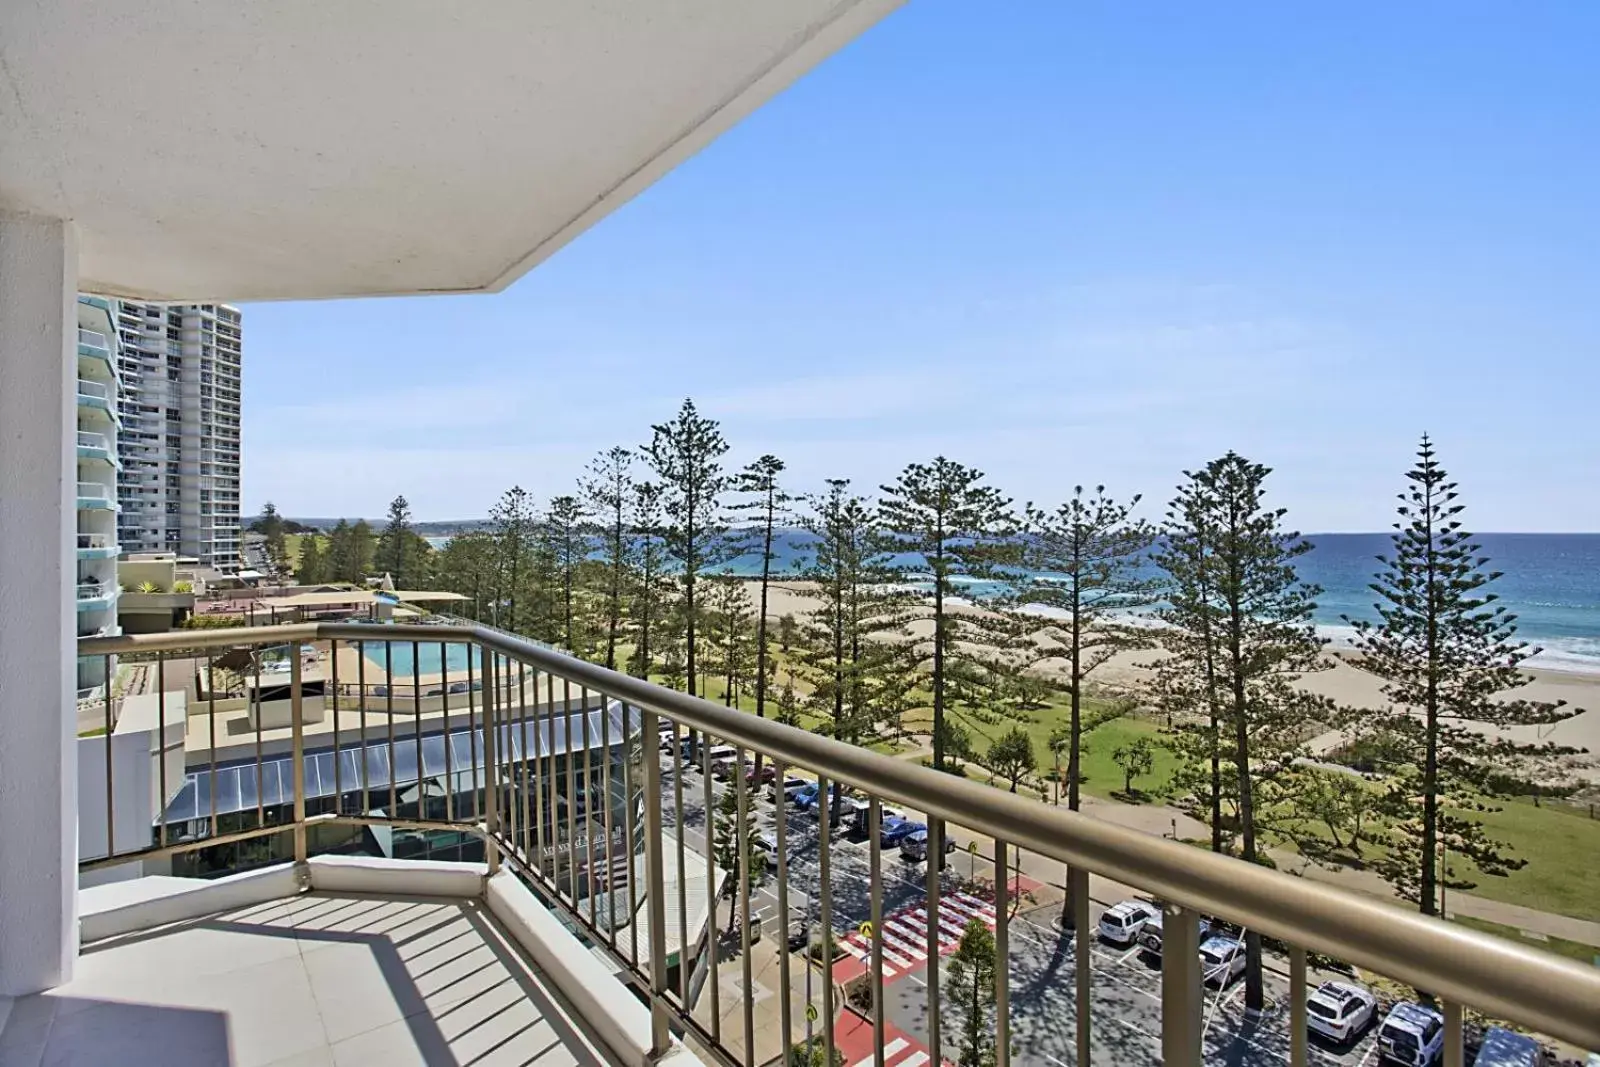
(312,980)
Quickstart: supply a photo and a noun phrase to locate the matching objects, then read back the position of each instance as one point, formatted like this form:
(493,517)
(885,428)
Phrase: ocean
(1551,582)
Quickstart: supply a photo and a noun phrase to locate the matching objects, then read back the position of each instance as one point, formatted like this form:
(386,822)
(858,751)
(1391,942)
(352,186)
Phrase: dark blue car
(896,830)
(806,798)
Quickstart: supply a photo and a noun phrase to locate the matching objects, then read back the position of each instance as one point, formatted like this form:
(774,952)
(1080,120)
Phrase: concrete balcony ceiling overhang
(304,149)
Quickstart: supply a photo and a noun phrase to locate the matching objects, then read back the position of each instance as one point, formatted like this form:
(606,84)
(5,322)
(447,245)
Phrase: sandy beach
(1341,681)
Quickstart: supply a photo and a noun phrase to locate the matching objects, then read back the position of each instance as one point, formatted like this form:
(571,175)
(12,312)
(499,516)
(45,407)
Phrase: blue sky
(1085,242)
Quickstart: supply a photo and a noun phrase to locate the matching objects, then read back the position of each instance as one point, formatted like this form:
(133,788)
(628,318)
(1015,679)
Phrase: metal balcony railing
(96,540)
(93,339)
(87,439)
(301,736)
(94,491)
(92,389)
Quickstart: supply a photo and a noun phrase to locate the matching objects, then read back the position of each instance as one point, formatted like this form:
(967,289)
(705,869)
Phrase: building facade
(98,439)
(180,442)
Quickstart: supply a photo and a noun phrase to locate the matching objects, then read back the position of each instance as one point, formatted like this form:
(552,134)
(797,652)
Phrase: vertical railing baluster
(742,843)
(331,692)
(932,884)
(542,758)
(512,821)
(1297,1006)
(711,888)
(472,735)
(875,850)
(491,767)
(416,726)
(1181,991)
(588,801)
(572,798)
(361,726)
(449,736)
(824,818)
(1455,1050)
(298,748)
(780,806)
(1002,951)
(1082,959)
(261,788)
(605,818)
(679,764)
(161,744)
(105,707)
(655,886)
(529,758)
(388,713)
(211,716)
(627,820)
(554,797)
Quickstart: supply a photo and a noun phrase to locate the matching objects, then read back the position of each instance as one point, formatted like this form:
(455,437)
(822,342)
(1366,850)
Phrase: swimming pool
(396,657)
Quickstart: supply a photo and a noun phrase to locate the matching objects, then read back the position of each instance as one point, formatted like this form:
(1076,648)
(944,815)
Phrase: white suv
(1120,924)
(1411,1034)
(1340,1012)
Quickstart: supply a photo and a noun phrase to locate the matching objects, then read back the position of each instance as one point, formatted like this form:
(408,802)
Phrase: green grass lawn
(1589,954)
(1562,849)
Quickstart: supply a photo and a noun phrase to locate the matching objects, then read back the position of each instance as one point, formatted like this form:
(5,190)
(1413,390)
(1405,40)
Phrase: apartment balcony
(95,395)
(417,833)
(97,546)
(96,446)
(96,496)
(96,596)
(98,349)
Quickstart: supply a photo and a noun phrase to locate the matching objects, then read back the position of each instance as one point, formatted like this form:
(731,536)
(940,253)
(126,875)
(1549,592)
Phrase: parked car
(1340,1012)
(788,788)
(1507,1048)
(1150,934)
(1411,1034)
(914,846)
(895,830)
(805,798)
(1120,924)
(768,774)
(1221,960)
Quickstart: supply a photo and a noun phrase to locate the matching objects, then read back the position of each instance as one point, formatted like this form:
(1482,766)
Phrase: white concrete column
(38,570)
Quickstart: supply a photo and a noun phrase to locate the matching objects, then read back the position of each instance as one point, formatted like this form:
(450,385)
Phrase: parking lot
(1126,1008)
(1126,989)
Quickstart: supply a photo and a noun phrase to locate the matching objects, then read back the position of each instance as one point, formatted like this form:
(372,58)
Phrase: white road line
(915,931)
(1128,955)
(916,1059)
(891,1049)
(904,946)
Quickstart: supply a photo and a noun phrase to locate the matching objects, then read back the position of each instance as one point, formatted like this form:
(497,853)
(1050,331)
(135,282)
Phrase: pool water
(430,658)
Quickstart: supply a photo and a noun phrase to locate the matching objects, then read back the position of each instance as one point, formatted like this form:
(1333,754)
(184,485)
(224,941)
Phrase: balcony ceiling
(303,149)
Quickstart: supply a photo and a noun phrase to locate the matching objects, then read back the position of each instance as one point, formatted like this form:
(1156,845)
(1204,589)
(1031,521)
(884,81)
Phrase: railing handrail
(96,489)
(1455,963)
(90,439)
(95,389)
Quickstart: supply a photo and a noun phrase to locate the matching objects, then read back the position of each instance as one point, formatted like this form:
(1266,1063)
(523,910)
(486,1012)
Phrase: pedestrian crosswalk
(853,1039)
(905,937)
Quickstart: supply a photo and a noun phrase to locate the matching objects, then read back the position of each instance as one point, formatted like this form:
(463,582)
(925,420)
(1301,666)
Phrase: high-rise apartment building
(179,446)
(99,386)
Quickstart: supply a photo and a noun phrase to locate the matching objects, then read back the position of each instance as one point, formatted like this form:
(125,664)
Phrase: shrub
(213,622)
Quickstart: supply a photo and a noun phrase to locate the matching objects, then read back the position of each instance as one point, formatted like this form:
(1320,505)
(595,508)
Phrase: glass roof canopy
(238,787)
